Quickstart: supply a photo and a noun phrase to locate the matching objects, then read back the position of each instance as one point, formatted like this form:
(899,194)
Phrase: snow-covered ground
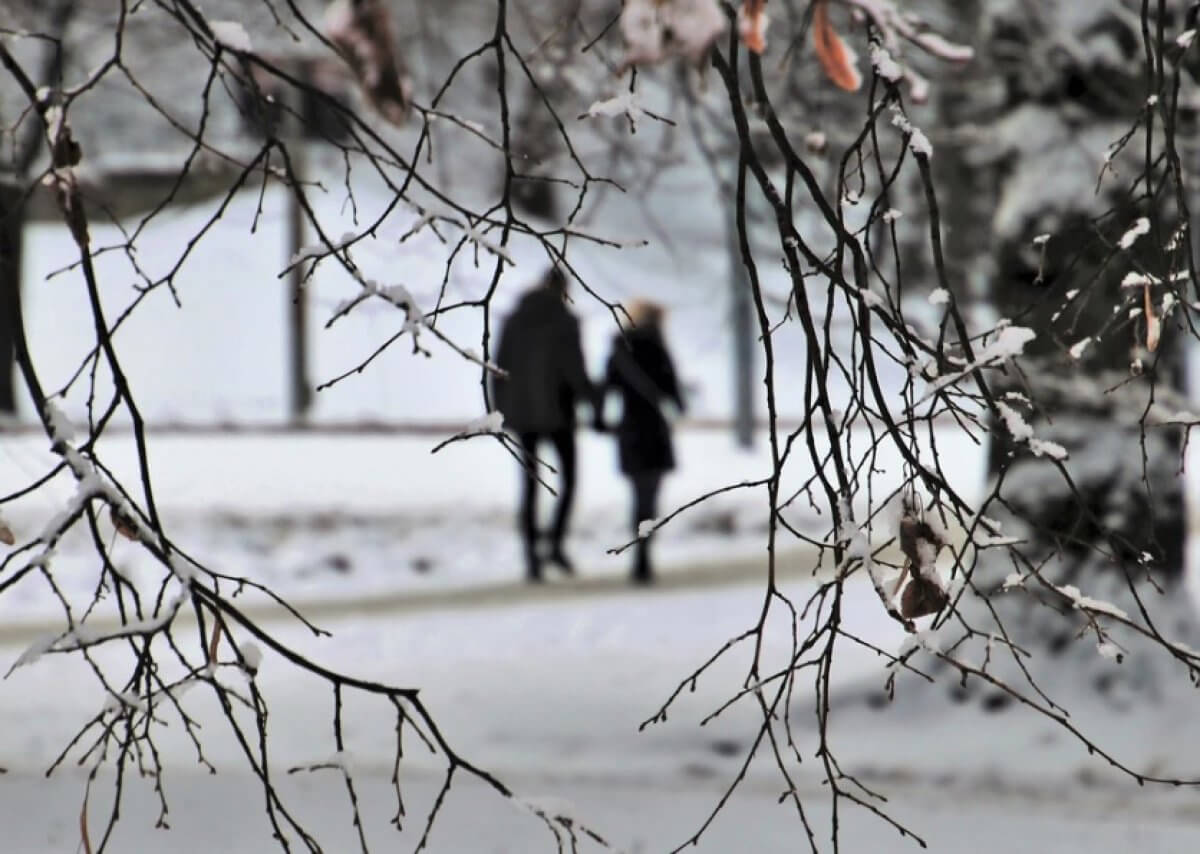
(546,687)
(637,817)
(549,695)
(318,516)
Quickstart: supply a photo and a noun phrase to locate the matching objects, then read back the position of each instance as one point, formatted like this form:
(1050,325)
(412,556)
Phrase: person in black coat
(540,352)
(641,372)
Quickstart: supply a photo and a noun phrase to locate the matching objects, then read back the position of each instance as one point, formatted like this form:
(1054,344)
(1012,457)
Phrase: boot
(533,564)
(642,573)
(558,557)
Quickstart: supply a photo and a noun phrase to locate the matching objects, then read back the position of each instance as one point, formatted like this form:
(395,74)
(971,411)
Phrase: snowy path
(634,817)
(586,583)
(549,693)
(321,518)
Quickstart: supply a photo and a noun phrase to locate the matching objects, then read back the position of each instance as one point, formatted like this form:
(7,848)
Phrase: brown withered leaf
(921,598)
(65,151)
(84,836)
(1153,326)
(752,25)
(6,534)
(212,647)
(912,532)
(124,525)
(362,31)
(836,58)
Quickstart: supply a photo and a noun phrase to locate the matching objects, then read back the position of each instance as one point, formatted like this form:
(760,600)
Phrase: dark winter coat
(540,350)
(640,370)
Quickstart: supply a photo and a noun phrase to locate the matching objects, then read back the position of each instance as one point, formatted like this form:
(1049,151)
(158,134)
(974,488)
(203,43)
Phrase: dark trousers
(564,447)
(645,506)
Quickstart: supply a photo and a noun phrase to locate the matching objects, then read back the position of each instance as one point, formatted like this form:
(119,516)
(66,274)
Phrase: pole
(300,392)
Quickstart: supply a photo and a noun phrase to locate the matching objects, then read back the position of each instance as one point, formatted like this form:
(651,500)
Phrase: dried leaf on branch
(920,543)
(921,598)
(123,524)
(85,838)
(752,24)
(836,57)
(212,645)
(655,30)
(362,30)
(1153,325)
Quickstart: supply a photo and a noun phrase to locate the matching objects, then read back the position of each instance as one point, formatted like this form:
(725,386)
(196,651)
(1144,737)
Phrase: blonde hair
(644,314)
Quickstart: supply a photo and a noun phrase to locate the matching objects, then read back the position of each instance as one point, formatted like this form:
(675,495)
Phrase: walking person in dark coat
(640,370)
(541,353)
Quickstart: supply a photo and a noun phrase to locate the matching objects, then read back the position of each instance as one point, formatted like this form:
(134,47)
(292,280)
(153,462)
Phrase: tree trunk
(967,193)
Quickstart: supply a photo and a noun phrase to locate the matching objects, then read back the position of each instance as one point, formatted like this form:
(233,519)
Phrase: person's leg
(564,445)
(645,506)
(528,516)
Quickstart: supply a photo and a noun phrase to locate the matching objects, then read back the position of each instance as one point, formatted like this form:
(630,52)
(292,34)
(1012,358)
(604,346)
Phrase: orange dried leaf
(124,525)
(212,647)
(83,827)
(752,24)
(835,56)
(1153,325)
